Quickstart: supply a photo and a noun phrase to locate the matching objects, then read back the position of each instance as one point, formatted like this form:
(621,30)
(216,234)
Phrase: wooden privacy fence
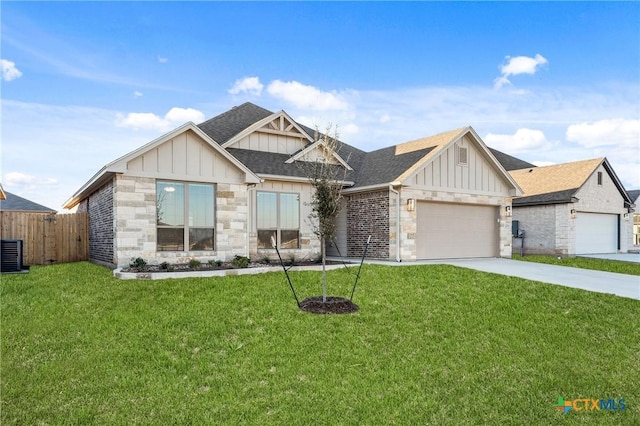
(48,238)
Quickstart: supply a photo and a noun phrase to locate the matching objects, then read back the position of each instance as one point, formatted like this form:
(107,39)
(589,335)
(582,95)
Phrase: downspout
(397,222)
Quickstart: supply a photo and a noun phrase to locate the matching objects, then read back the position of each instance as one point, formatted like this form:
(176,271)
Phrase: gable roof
(558,183)
(120,165)
(13,202)
(395,164)
(633,195)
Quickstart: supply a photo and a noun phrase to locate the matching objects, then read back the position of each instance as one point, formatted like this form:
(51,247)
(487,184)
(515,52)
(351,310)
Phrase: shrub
(138,263)
(195,264)
(240,262)
(166,266)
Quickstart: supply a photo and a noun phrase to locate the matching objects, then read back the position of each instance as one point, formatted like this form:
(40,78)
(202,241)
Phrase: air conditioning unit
(10,256)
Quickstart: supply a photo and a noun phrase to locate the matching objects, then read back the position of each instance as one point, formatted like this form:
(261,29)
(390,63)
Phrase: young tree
(327,178)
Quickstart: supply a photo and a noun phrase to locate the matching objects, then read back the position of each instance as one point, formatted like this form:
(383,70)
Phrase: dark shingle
(558,197)
(223,127)
(16,203)
(384,166)
(509,162)
(634,194)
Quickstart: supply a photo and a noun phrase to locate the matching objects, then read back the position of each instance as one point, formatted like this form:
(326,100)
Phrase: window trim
(278,227)
(186,228)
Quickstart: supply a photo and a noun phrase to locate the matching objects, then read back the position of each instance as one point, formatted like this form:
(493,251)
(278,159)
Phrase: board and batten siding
(186,157)
(444,172)
(270,142)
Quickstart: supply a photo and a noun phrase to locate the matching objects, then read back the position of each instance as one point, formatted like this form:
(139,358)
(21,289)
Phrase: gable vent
(10,255)
(462,155)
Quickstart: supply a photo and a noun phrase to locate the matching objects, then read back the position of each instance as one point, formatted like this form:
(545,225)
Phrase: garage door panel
(596,233)
(447,230)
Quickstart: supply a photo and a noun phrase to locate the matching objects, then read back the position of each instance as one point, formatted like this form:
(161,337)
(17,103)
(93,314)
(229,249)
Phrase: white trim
(296,179)
(314,146)
(259,124)
(371,187)
(120,165)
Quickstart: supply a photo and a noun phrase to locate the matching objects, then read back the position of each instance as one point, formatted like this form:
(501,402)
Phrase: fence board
(48,238)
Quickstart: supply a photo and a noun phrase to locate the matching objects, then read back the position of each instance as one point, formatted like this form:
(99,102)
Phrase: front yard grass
(617,266)
(430,344)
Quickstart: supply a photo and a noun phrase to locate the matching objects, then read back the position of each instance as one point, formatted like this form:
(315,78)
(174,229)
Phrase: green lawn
(620,267)
(430,345)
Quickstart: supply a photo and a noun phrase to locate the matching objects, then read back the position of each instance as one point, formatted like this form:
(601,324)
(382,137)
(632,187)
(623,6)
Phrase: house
(3,196)
(571,209)
(233,184)
(15,203)
(634,196)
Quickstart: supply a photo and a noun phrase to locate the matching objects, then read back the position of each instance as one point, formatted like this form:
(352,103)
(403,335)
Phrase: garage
(596,233)
(448,230)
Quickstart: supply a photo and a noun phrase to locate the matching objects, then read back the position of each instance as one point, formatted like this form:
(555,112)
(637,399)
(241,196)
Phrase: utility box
(10,256)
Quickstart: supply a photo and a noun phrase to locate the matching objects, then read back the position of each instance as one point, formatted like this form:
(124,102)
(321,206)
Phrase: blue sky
(86,82)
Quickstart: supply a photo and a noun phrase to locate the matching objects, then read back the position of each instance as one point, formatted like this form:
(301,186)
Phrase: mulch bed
(333,305)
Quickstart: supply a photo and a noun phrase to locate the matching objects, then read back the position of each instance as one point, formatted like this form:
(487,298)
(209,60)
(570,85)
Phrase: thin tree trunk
(324,270)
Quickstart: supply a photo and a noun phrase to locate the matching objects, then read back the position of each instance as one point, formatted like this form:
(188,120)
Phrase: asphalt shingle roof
(509,162)
(14,202)
(370,168)
(223,127)
(634,194)
(555,178)
(557,197)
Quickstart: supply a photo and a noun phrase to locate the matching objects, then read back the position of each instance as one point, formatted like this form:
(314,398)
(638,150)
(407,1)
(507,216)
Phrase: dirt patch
(333,305)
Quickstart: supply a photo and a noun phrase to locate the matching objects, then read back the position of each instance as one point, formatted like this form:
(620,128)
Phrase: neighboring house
(572,208)
(3,196)
(12,202)
(230,185)
(634,196)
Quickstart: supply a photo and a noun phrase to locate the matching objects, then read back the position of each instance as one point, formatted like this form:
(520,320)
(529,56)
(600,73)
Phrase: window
(600,178)
(278,218)
(185,216)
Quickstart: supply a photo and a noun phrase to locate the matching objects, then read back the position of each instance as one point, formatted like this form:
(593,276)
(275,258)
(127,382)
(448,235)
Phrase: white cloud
(519,65)
(303,96)
(250,85)
(162,60)
(22,179)
(137,94)
(610,132)
(9,70)
(522,140)
(148,120)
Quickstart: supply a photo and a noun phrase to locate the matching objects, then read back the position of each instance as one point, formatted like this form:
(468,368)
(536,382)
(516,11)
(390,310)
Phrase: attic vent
(462,155)
(10,255)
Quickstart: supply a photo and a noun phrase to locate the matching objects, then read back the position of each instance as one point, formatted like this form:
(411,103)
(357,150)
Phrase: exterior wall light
(411,204)
(626,216)
(573,212)
(507,211)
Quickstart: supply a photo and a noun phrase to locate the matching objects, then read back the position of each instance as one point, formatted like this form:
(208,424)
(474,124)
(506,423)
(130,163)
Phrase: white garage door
(447,230)
(596,233)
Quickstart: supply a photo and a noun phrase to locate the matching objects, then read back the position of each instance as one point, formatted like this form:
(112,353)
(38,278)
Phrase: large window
(185,216)
(278,220)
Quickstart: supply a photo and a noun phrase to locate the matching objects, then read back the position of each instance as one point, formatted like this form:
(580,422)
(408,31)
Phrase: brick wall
(99,205)
(368,214)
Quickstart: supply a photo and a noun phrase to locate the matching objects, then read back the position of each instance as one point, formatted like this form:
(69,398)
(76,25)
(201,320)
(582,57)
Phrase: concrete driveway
(585,279)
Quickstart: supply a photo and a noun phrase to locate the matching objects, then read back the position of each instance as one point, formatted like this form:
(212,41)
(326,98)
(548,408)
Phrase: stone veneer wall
(547,229)
(368,214)
(135,205)
(99,206)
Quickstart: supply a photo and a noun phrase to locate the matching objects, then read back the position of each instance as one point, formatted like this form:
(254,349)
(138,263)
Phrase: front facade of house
(234,185)
(572,209)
